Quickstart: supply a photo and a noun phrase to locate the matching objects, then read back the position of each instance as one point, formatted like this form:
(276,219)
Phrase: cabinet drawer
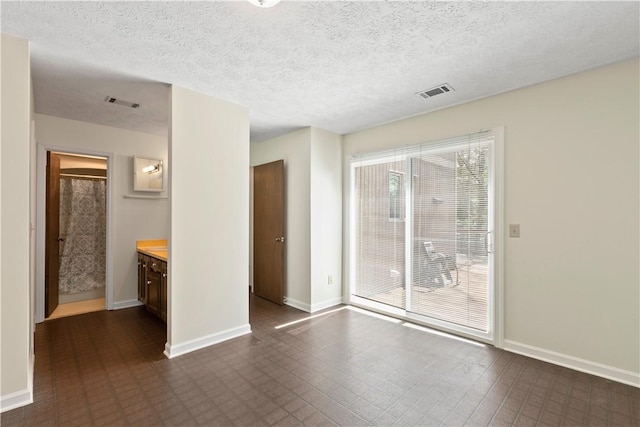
(155,265)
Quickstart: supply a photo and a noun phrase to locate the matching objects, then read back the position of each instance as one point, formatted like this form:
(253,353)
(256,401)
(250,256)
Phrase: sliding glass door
(422,233)
(380,231)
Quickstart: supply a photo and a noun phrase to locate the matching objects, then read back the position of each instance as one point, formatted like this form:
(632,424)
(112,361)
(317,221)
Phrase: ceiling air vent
(113,100)
(443,88)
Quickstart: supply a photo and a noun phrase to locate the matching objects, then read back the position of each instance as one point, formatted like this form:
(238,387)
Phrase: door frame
(41,162)
(52,234)
(496,296)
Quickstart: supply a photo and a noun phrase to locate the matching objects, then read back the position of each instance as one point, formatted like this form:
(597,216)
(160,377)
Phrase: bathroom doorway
(75,234)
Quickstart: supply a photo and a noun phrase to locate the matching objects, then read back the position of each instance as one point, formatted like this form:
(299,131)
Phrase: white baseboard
(312,308)
(297,304)
(126,304)
(575,363)
(16,400)
(176,350)
(326,304)
(23,397)
(19,398)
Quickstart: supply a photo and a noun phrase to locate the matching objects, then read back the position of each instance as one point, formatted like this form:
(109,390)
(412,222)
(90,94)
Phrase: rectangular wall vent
(440,89)
(112,100)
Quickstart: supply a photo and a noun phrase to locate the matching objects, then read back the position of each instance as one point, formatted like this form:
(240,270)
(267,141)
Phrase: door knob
(280,239)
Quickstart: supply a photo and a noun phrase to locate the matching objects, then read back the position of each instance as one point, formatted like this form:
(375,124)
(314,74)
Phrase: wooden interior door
(268,231)
(52,234)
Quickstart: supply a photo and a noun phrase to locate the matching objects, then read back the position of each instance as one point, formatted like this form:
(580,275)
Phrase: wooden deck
(463,304)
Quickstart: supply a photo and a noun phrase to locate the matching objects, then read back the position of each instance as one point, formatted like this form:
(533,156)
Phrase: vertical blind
(421,228)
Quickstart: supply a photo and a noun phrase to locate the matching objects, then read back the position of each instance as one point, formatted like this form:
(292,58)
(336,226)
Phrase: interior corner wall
(32,224)
(571,293)
(209,243)
(134,219)
(326,219)
(15,321)
(294,148)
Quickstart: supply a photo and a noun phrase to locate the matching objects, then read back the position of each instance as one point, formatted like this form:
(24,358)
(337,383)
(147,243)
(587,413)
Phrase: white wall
(135,219)
(326,219)
(209,243)
(294,148)
(16,324)
(571,280)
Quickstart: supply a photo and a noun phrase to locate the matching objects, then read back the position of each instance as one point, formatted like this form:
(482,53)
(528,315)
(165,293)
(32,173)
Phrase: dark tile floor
(344,368)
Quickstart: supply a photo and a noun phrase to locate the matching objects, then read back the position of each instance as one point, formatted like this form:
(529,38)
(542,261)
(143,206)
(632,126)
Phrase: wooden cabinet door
(152,285)
(142,278)
(163,291)
(153,290)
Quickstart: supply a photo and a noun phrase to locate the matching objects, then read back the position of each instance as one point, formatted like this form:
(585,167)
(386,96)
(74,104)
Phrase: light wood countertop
(153,248)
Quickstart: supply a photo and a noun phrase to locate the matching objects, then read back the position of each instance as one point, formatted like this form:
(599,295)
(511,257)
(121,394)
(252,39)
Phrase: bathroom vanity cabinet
(152,284)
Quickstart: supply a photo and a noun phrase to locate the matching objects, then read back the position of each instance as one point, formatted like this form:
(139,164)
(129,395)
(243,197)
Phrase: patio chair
(436,266)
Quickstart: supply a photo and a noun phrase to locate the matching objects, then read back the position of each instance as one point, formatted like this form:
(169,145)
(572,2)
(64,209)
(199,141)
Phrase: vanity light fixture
(151,168)
(264,3)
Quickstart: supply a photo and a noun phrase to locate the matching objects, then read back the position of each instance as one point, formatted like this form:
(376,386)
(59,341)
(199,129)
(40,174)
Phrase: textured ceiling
(340,66)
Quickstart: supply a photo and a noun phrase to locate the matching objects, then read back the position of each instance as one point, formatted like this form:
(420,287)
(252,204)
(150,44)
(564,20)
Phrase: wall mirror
(147,174)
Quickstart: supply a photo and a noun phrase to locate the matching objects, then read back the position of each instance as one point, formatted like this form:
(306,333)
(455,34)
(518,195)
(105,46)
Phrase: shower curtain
(83,227)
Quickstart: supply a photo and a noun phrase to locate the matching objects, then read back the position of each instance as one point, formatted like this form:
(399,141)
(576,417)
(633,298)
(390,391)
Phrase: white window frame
(495,334)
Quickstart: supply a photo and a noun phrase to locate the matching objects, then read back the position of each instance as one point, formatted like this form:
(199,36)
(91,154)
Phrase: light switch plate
(514,230)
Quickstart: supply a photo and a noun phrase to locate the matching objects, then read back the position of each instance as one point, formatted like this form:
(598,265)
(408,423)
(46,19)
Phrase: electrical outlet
(514,230)
(330,279)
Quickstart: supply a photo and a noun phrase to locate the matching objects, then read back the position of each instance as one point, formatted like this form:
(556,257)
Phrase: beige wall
(325,219)
(209,243)
(32,222)
(134,219)
(16,324)
(571,281)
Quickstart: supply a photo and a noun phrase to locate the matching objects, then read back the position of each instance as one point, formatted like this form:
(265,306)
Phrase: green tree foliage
(472,180)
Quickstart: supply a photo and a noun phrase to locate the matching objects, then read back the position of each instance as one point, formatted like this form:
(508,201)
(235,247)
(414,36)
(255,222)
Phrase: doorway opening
(75,278)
